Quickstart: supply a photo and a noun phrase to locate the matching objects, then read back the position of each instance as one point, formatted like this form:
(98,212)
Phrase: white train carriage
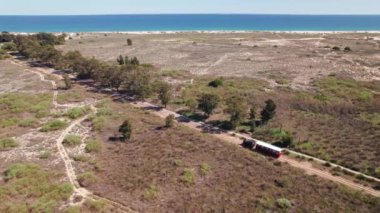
(263,147)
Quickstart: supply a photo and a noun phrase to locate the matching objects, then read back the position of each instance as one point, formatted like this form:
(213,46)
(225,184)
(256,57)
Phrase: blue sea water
(96,23)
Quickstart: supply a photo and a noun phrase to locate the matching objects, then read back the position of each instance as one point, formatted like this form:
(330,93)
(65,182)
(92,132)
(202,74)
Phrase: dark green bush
(216,83)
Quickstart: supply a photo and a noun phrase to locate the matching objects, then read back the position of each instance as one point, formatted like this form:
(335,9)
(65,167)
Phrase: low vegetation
(205,169)
(77,112)
(53,125)
(6,143)
(151,192)
(188,176)
(283,203)
(216,83)
(199,173)
(28,122)
(125,130)
(45,154)
(28,107)
(93,145)
(29,188)
(95,205)
(169,121)
(72,140)
(87,179)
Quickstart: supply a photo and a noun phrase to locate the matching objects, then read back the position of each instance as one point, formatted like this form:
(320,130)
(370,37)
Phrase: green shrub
(28,122)
(95,205)
(373,118)
(73,209)
(151,192)
(45,154)
(98,122)
(205,169)
(284,137)
(93,145)
(87,179)
(322,97)
(41,109)
(10,46)
(188,176)
(216,83)
(77,112)
(177,162)
(283,203)
(81,158)
(53,126)
(365,96)
(169,121)
(8,122)
(7,143)
(104,112)
(72,140)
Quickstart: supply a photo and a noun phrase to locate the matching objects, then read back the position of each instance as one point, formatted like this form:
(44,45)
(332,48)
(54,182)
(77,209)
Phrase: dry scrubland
(183,170)
(321,100)
(158,169)
(328,99)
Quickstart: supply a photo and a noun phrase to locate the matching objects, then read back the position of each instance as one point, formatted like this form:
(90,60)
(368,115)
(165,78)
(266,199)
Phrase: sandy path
(235,138)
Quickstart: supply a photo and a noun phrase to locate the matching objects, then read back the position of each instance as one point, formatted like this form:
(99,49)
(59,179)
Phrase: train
(263,147)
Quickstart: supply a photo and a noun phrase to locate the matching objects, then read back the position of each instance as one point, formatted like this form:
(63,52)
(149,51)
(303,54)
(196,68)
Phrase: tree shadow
(222,124)
(116,139)
(192,115)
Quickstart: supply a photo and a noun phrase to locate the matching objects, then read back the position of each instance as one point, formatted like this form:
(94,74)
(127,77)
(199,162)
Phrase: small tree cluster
(127,62)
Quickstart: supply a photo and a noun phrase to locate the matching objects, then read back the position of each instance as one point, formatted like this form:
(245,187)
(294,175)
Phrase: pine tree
(120,60)
(164,93)
(252,118)
(126,130)
(269,111)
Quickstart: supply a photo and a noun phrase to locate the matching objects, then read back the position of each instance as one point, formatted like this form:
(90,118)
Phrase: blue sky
(67,7)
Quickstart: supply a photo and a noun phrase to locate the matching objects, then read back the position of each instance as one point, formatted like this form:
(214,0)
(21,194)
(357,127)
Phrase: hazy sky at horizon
(70,7)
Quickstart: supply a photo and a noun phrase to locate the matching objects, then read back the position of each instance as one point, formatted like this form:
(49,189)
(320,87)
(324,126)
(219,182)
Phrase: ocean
(127,23)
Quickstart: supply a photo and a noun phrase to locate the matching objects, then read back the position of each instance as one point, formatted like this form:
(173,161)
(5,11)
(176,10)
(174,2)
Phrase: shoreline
(158,32)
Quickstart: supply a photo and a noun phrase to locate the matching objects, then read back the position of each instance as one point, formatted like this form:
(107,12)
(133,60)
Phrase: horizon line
(136,14)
